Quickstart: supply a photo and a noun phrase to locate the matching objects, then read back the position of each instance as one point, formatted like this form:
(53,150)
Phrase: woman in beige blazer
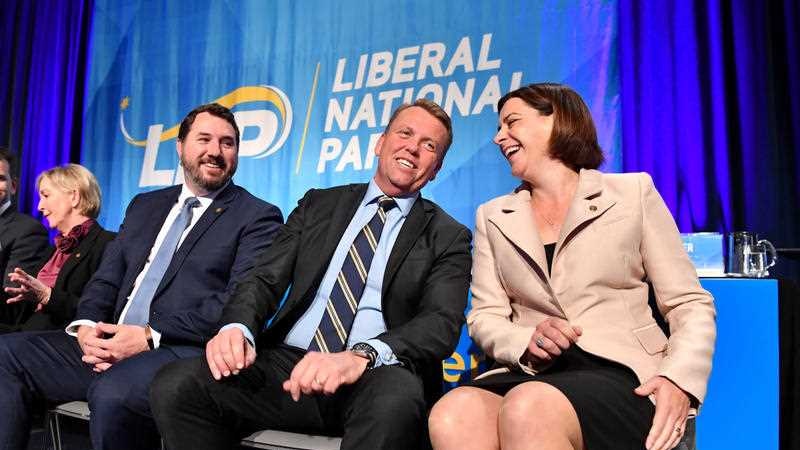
(560,299)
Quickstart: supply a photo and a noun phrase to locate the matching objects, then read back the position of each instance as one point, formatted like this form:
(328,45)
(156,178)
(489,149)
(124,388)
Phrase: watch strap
(366,351)
(148,334)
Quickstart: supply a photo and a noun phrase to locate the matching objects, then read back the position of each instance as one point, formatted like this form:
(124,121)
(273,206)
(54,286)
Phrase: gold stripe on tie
(358,263)
(381,214)
(337,322)
(373,244)
(323,347)
(351,299)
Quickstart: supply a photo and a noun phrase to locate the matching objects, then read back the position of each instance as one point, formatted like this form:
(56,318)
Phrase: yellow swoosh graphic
(238,96)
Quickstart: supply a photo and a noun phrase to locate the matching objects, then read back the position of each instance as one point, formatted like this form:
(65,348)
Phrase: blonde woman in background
(69,198)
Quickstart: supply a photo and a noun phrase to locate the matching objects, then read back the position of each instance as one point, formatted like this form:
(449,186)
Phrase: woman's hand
(550,338)
(672,410)
(30,289)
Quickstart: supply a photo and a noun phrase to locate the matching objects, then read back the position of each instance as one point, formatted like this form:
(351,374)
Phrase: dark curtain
(44,46)
(711,108)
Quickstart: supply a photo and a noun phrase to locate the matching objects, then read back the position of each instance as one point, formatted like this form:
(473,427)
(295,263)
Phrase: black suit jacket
(218,251)
(424,289)
(72,278)
(23,243)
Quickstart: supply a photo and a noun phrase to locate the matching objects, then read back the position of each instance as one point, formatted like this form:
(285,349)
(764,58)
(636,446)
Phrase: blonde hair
(74,177)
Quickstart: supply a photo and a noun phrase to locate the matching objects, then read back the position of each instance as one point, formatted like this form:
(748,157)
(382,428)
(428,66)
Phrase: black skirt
(611,415)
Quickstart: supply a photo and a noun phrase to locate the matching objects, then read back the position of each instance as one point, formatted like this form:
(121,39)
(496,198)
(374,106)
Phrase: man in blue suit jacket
(123,340)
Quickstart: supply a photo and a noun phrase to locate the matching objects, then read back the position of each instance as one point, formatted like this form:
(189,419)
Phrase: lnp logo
(271,130)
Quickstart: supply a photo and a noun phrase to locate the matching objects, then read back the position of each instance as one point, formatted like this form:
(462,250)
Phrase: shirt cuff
(386,356)
(72,328)
(247,334)
(156,337)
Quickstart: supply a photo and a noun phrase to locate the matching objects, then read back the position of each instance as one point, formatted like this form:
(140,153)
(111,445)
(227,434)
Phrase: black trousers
(384,409)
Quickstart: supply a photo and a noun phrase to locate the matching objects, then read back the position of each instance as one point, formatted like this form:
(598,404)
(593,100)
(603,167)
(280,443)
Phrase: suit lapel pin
(218,210)
(77,255)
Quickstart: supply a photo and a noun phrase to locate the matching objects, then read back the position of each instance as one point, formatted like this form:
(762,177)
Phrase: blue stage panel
(741,408)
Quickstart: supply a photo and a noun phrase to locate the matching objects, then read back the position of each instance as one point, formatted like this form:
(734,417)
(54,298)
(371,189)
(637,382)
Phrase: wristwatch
(366,351)
(149,336)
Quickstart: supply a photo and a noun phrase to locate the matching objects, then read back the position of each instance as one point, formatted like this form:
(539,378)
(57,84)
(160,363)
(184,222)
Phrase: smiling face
(410,152)
(58,206)
(523,136)
(208,154)
(7,185)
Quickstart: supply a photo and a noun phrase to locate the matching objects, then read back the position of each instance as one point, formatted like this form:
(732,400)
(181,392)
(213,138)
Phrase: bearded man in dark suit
(155,298)
(379,279)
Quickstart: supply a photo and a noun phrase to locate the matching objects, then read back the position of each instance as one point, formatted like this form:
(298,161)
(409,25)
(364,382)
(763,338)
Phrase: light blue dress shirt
(368,322)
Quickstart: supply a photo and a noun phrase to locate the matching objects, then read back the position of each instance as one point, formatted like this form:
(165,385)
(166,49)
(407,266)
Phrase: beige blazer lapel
(515,220)
(588,204)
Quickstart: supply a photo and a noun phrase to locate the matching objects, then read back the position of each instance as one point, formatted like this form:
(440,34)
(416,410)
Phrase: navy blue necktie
(139,311)
(340,310)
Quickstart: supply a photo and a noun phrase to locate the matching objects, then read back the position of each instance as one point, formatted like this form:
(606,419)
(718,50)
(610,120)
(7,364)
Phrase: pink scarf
(64,247)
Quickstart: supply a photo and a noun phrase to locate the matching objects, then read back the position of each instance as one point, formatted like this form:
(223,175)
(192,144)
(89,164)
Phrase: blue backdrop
(313,83)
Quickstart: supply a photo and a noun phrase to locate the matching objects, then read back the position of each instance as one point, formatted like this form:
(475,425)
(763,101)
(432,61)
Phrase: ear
(13,186)
(379,145)
(75,198)
(436,170)
(179,148)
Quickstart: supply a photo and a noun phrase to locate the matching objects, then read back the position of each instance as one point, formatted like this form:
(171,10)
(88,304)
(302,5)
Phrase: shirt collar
(404,204)
(205,200)
(5,206)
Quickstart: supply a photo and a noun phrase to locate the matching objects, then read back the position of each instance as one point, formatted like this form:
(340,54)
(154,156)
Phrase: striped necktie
(340,310)
(139,311)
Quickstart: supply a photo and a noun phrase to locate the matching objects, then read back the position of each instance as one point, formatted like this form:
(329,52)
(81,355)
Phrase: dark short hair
(433,109)
(11,160)
(215,109)
(573,140)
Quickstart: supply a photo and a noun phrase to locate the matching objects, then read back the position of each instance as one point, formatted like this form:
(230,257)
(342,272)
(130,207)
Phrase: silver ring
(539,342)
